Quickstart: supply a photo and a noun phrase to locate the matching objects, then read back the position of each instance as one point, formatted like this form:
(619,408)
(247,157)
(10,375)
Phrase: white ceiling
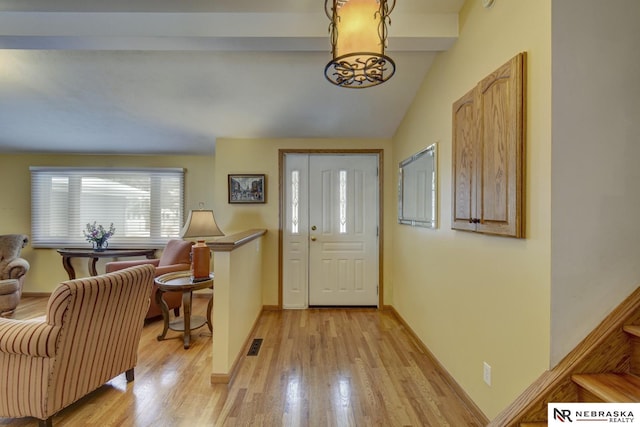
(167,76)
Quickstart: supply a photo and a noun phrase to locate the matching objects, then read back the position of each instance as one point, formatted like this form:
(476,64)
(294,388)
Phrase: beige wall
(474,298)
(15,204)
(261,156)
(237,303)
(596,147)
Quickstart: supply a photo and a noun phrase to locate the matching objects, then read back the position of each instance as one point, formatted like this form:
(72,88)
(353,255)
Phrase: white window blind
(146,206)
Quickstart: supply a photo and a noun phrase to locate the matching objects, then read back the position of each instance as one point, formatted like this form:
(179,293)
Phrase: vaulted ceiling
(169,77)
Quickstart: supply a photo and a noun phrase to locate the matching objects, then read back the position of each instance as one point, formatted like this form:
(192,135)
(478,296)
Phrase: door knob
(313,227)
(313,238)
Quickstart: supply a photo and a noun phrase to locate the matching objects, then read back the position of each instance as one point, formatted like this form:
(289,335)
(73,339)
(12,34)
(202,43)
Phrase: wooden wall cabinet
(488,154)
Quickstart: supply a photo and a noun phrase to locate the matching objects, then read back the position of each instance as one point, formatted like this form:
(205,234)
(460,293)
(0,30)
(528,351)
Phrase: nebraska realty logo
(593,414)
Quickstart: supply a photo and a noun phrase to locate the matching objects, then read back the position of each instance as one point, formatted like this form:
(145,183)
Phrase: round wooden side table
(180,281)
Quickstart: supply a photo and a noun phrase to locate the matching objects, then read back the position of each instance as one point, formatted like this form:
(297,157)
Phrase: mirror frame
(423,160)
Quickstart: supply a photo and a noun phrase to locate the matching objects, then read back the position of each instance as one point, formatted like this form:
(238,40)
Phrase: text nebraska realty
(612,416)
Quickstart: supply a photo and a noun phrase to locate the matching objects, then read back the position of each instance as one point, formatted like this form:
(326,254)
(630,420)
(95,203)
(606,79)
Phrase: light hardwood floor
(319,367)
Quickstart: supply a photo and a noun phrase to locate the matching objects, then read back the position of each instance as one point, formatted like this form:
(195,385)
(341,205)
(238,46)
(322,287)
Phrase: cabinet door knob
(313,238)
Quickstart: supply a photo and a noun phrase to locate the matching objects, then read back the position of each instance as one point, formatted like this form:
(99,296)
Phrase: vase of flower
(98,235)
(100,245)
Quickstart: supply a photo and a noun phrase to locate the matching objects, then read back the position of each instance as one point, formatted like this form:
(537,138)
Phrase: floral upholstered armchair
(12,271)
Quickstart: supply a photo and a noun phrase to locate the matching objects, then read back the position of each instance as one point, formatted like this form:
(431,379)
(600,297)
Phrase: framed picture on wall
(247,188)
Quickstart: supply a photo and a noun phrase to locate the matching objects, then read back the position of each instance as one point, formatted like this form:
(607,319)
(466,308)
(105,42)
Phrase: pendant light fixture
(358,31)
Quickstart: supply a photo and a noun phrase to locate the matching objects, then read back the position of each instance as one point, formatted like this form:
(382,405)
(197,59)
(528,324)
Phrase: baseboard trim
(48,294)
(271,308)
(451,382)
(220,379)
(36,294)
(228,378)
(197,294)
(600,351)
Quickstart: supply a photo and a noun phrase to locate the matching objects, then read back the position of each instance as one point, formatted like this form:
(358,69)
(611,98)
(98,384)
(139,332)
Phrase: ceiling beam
(207,31)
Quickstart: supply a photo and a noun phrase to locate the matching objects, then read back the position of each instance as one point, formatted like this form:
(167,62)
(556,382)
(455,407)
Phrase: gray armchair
(12,271)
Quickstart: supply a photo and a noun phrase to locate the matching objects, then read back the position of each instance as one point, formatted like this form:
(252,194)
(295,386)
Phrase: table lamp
(200,224)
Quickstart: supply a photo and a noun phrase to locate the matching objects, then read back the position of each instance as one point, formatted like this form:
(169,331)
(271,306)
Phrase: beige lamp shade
(200,223)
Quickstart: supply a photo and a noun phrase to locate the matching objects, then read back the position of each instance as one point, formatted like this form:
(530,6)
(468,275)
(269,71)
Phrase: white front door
(330,241)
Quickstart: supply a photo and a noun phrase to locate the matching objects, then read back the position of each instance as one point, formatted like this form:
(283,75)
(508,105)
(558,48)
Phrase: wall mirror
(417,189)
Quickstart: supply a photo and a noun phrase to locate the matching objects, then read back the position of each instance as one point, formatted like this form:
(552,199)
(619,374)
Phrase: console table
(68,254)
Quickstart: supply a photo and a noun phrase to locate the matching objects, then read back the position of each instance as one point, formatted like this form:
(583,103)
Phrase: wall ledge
(234,241)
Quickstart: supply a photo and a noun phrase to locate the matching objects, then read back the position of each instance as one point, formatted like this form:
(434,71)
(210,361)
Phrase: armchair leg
(45,423)
(129,375)
(9,313)
(176,311)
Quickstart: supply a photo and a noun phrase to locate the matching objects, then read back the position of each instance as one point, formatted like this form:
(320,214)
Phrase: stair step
(610,387)
(632,330)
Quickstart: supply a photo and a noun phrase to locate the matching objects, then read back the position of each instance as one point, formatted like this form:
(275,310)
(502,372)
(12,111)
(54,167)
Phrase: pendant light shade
(358,32)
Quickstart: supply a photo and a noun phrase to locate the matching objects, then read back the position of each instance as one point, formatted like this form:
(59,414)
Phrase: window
(343,201)
(144,205)
(295,204)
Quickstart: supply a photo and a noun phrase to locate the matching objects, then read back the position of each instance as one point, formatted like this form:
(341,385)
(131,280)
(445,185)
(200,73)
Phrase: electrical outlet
(486,373)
